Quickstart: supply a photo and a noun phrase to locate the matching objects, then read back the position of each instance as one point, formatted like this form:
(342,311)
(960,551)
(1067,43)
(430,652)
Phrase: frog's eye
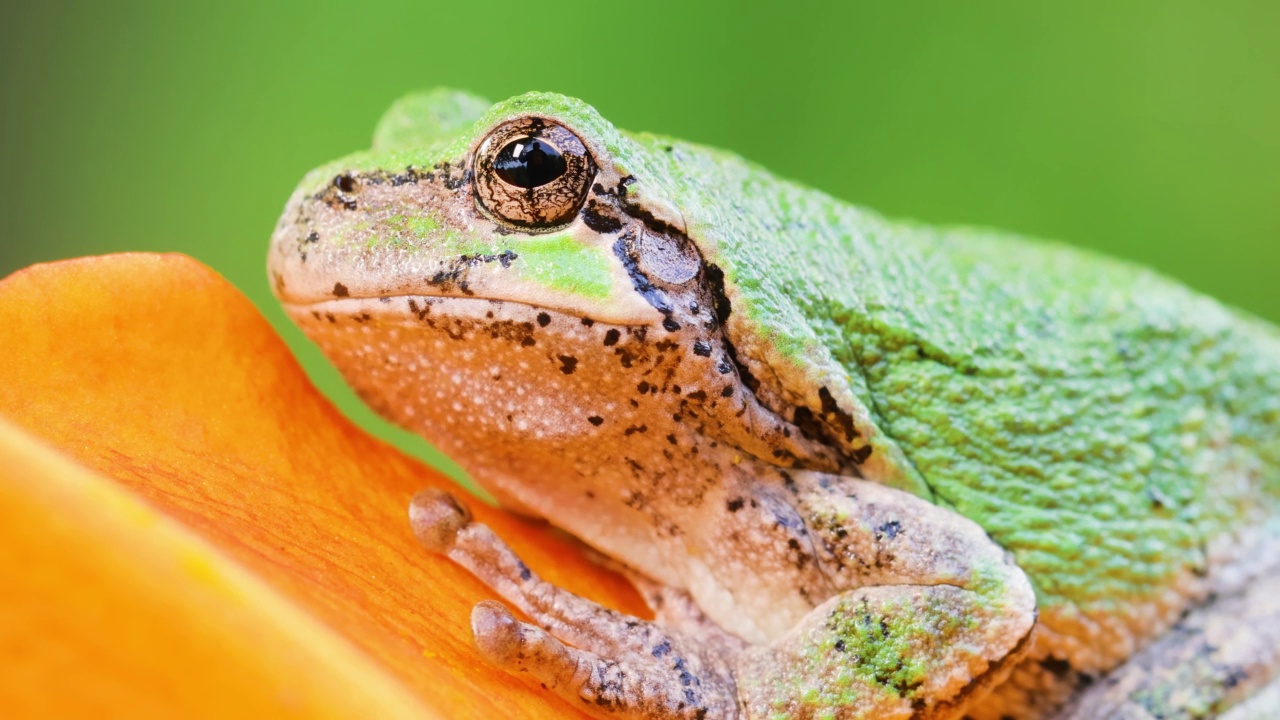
(532,173)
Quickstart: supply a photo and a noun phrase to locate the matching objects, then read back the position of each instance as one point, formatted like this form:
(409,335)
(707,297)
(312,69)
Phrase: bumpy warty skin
(1107,425)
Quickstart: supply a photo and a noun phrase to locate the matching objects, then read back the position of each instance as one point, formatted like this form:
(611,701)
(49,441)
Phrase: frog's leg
(928,612)
(1224,655)
(582,651)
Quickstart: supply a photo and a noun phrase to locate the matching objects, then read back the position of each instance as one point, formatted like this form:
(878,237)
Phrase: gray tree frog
(861,468)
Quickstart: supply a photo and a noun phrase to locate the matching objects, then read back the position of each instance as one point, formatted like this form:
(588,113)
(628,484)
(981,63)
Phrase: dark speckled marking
(830,407)
(889,530)
(802,417)
(596,420)
(340,290)
(568,364)
(611,337)
(596,217)
(702,348)
(544,319)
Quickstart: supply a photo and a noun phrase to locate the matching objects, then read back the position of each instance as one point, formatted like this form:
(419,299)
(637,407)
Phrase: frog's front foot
(580,650)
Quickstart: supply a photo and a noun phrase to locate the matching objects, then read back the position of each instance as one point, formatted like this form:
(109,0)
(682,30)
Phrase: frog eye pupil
(529,163)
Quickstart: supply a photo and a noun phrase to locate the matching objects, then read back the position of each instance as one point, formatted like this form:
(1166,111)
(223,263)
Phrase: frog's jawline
(787,444)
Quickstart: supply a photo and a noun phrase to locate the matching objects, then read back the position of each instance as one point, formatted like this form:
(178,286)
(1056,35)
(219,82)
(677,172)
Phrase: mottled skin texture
(841,444)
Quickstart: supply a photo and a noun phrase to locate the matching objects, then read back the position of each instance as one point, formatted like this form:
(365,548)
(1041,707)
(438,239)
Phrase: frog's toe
(660,687)
(620,665)
(511,644)
(436,517)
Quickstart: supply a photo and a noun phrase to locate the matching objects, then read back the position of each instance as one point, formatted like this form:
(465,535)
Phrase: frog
(858,467)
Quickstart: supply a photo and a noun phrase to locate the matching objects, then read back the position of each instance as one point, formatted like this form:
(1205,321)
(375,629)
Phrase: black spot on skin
(588,322)
(720,301)
(727,391)
(697,395)
(702,348)
(671,438)
(635,429)
(598,221)
(802,417)
(1235,676)
(670,325)
(568,364)
(843,418)
(889,530)
(596,420)
(662,648)
(312,237)
(861,454)
(528,342)
(724,367)
(340,290)
(410,175)
(525,573)
(611,337)
(734,505)
(544,319)
(643,387)
(1059,668)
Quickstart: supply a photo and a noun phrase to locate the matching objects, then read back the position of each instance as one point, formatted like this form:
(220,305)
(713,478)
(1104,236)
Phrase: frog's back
(1109,426)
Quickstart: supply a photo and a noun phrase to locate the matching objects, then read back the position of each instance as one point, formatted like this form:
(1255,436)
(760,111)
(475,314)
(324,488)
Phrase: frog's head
(515,277)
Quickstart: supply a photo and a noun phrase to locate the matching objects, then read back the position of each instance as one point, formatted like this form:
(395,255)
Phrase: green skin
(1116,433)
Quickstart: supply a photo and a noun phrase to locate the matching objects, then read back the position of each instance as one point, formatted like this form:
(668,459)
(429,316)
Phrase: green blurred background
(1149,130)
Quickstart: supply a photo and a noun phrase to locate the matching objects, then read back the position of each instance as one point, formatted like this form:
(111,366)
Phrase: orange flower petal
(250,549)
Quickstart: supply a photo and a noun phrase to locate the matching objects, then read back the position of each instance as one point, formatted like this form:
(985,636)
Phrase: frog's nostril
(346,183)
